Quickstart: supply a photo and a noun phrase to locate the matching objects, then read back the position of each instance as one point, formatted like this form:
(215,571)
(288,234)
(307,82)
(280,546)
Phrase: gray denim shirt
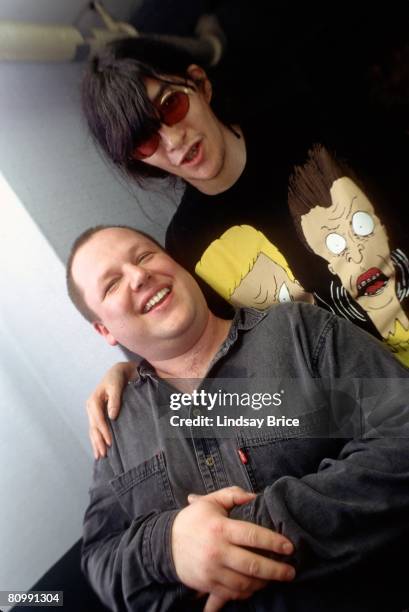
(337,485)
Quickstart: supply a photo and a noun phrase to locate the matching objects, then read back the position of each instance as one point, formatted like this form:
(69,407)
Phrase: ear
(104,332)
(199,77)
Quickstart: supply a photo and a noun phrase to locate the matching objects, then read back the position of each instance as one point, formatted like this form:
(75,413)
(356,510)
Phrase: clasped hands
(210,550)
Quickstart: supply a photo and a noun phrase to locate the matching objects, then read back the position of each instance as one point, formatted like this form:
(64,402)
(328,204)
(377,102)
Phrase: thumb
(231,496)
(192,497)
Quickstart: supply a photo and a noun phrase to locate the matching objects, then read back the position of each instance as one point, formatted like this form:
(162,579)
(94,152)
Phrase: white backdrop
(49,360)
(53,185)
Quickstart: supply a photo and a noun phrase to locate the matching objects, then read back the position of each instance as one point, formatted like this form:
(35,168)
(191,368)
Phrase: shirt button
(196,412)
(209,461)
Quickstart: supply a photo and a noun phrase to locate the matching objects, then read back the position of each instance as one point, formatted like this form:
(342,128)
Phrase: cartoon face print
(351,238)
(248,270)
(265,284)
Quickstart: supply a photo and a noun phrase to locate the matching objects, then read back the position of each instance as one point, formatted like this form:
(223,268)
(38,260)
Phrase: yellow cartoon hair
(227,260)
(398,342)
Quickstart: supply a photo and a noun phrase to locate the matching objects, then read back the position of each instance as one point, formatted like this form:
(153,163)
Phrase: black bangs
(131,116)
(114,99)
(117,108)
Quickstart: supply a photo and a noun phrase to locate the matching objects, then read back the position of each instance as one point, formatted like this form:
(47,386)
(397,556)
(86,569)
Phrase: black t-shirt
(243,242)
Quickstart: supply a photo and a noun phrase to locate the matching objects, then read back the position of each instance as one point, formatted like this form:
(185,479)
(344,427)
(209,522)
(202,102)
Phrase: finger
(192,497)
(114,402)
(98,443)
(94,444)
(231,496)
(250,564)
(105,433)
(246,587)
(97,420)
(214,603)
(239,496)
(238,585)
(243,533)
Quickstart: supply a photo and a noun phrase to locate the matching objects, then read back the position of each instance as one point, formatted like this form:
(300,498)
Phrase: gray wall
(48,157)
(53,184)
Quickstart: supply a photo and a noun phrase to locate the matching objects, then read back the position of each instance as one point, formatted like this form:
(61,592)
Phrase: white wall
(49,360)
(53,185)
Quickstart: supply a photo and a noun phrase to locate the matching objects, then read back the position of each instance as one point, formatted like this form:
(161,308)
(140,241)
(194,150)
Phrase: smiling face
(141,297)
(352,239)
(193,148)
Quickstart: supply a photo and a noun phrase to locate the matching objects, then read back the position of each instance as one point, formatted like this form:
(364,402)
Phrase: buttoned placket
(208,454)
(207,450)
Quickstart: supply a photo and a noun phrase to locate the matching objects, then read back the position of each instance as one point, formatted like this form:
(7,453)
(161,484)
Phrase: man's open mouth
(371,282)
(156,299)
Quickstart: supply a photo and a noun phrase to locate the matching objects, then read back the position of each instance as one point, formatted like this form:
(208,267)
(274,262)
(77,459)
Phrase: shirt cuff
(157,547)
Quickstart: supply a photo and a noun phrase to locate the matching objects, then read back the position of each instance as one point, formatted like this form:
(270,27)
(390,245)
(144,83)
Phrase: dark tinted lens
(174,107)
(147,147)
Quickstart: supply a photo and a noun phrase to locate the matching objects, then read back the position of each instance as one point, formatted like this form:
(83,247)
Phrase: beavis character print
(248,270)
(338,221)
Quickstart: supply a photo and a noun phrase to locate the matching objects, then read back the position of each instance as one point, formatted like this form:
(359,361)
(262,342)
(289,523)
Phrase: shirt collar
(247,318)
(244,319)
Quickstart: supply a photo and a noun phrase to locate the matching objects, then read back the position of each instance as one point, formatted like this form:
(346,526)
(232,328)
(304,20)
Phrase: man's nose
(137,276)
(172,137)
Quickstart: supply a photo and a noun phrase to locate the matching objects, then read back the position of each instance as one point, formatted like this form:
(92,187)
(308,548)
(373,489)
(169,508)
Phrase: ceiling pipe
(29,42)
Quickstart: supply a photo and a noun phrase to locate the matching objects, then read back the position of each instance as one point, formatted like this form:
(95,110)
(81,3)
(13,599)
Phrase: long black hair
(114,98)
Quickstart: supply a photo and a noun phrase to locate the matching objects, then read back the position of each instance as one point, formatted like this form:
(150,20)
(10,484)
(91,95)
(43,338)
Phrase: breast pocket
(286,451)
(145,488)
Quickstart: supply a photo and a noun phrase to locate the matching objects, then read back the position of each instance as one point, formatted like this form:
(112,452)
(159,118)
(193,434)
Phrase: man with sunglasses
(330,490)
(154,114)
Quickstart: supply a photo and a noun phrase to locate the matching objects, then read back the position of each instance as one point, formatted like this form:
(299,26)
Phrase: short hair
(115,102)
(310,184)
(231,257)
(74,292)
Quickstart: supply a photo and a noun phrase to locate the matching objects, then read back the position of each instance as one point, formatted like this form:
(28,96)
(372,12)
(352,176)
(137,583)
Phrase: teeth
(191,153)
(156,298)
(370,280)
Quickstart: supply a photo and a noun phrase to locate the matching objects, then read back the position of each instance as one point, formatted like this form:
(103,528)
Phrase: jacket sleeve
(128,562)
(353,511)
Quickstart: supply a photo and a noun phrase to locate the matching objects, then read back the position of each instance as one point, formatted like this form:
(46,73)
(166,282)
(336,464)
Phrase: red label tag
(243,457)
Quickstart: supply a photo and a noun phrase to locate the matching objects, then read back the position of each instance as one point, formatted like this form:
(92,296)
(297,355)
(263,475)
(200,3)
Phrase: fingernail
(192,496)
(287,548)
(290,574)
